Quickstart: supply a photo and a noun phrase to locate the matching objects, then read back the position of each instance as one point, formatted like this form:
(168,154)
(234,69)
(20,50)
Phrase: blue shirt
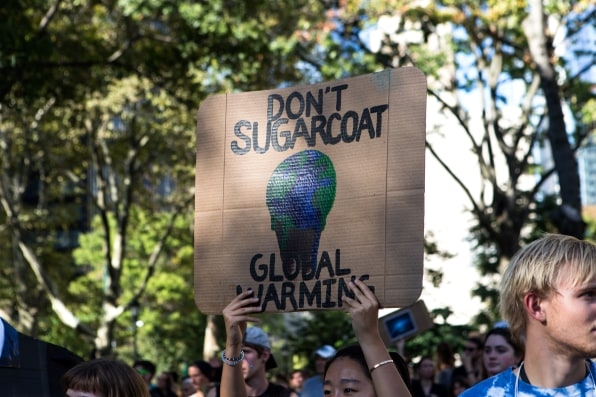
(503,385)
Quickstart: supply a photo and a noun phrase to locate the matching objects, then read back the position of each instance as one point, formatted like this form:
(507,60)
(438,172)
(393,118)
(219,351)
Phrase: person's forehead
(496,340)
(345,370)
(568,284)
(574,274)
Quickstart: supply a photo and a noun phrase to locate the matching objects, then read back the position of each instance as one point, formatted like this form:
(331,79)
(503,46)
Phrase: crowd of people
(428,377)
(543,348)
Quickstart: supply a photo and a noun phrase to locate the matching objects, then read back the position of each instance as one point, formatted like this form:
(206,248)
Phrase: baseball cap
(257,337)
(325,351)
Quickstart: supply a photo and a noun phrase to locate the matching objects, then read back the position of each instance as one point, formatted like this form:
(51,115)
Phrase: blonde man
(548,298)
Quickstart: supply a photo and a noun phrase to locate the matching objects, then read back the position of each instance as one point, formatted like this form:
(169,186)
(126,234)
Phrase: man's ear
(534,307)
(265,355)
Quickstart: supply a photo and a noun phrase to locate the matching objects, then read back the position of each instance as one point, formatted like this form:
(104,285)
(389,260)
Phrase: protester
(165,387)
(103,378)
(354,359)
(374,371)
(201,374)
(296,381)
(472,367)
(445,365)
(187,388)
(548,298)
(247,355)
(500,351)
(147,370)
(383,380)
(424,385)
(313,386)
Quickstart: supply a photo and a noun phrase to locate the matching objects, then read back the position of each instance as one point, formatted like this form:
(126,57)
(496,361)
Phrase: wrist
(232,361)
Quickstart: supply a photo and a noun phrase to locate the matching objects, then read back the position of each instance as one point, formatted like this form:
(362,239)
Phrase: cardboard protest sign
(300,189)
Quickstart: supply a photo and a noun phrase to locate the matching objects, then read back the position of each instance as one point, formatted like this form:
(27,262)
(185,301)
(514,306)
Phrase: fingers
(240,308)
(362,294)
(363,310)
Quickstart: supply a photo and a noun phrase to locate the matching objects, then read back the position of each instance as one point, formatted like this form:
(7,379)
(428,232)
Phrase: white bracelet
(377,365)
(232,361)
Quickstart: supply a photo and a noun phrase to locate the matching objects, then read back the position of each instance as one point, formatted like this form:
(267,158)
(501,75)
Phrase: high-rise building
(586,161)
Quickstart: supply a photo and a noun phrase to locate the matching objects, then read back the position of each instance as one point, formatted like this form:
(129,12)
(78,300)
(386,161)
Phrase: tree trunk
(210,346)
(567,217)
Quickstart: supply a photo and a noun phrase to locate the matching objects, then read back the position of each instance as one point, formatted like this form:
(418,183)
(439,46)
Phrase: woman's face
(498,355)
(427,369)
(345,377)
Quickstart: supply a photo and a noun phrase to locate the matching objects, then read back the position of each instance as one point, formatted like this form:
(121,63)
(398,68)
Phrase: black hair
(146,364)
(476,340)
(505,332)
(205,368)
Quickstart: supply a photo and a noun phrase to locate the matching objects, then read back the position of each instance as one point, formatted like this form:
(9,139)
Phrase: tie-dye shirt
(503,385)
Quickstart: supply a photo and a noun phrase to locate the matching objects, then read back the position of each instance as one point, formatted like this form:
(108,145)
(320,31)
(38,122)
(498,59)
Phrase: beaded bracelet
(232,361)
(377,365)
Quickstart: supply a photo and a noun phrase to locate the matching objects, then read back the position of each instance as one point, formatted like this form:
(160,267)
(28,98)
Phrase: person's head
(296,379)
(257,354)
(146,369)
(165,381)
(200,373)
(500,351)
(543,268)
(473,347)
(348,369)
(426,368)
(458,385)
(321,356)
(187,388)
(103,378)
(445,356)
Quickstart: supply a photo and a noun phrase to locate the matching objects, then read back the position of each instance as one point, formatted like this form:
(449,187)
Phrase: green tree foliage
(473,53)
(97,107)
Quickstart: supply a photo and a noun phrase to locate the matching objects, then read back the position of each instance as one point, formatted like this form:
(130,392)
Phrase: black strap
(523,376)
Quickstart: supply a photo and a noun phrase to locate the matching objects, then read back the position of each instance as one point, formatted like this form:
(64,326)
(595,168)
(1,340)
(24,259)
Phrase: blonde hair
(537,268)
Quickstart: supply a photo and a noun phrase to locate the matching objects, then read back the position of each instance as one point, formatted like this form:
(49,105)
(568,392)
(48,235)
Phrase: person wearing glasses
(548,298)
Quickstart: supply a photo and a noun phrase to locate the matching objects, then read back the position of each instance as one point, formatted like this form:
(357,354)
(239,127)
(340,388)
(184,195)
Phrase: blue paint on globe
(300,195)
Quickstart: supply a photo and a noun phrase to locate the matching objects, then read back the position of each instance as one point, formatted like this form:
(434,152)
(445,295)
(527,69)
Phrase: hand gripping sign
(300,189)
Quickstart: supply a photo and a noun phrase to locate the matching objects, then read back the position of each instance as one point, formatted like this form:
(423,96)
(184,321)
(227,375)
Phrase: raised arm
(236,315)
(363,310)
